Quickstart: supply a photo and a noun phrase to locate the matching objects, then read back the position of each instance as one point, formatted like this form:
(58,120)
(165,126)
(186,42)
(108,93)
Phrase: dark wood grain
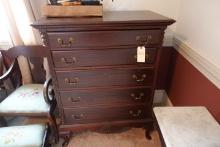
(91,97)
(103,38)
(108,57)
(164,67)
(35,54)
(148,18)
(65,129)
(96,56)
(105,77)
(27,51)
(100,114)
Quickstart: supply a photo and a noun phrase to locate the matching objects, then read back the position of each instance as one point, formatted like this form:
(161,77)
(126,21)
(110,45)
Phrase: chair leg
(148,129)
(54,127)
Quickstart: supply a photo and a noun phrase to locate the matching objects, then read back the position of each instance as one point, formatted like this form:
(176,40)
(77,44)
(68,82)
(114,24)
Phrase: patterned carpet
(134,137)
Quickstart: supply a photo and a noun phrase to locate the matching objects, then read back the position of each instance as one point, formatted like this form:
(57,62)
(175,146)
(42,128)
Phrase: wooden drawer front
(103,38)
(100,57)
(105,77)
(92,115)
(95,97)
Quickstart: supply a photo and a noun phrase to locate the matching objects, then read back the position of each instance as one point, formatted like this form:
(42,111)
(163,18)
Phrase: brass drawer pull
(141,79)
(73,81)
(77,116)
(64,60)
(135,114)
(63,44)
(74,100)
(140,97)
(144,40)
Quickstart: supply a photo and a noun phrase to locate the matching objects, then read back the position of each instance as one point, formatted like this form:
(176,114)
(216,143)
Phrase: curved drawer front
(92,115)
(105,77)
(67,40)
(101,57)
(95,97)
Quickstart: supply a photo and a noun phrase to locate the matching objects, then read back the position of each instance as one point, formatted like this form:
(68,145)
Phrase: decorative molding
(208,69)
(43,38)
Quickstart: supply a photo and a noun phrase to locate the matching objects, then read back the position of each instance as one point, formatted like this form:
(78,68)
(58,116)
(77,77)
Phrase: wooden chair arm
(9,72)
(48,93)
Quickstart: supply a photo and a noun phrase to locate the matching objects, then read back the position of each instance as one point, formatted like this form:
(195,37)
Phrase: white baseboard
(168,101)
(208,69)
(161,97)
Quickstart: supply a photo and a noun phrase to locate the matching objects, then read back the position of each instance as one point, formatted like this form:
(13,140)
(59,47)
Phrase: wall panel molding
(208,69)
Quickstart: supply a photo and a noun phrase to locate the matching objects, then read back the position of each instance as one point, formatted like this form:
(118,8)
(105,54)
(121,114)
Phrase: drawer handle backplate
(74,100)
(144,40)
(65,61)
(73,81)
(77,116)
(135,114)
(141,79)
(63,44)
(140,97)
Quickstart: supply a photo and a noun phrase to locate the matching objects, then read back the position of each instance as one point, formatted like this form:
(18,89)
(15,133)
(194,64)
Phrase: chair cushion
(26,99)
(22,136)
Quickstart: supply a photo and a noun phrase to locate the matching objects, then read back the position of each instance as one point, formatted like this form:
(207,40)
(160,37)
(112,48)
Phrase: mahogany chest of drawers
(98,81)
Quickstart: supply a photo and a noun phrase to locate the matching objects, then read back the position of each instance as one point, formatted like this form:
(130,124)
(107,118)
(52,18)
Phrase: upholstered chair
(35,135)
(30,100)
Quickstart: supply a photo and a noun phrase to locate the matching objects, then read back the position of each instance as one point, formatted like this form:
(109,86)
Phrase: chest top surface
(109,18)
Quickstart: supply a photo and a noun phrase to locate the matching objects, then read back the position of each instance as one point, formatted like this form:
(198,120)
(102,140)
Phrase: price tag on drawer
(141,54)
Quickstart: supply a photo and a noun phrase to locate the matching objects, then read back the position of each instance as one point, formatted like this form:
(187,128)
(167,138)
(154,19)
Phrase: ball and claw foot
(66,140)
(147,135)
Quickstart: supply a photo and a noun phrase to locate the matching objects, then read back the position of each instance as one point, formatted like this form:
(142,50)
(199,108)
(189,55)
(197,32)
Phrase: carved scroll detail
(44,38)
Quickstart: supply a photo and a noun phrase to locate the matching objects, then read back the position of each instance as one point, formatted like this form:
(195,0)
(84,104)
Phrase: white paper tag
(141,54)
